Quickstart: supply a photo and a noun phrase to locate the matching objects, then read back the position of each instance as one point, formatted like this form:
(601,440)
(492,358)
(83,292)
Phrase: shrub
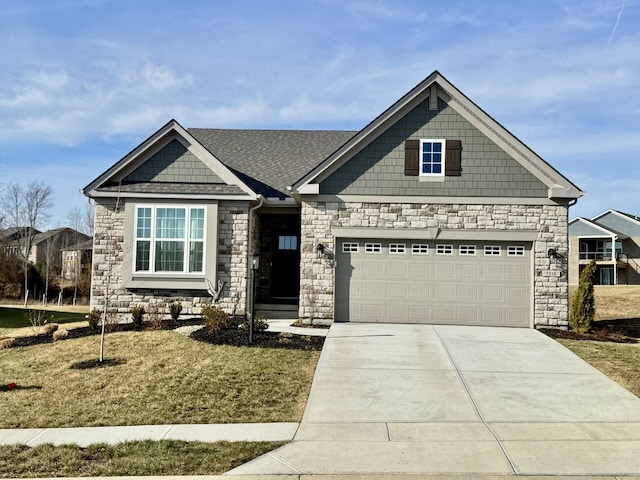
(37,318)
(60,334)
(260,324)
(49,329)
(7,342)
(583,307)
(137,313)
(175,308)
(154,314)
(94,318)
(215,319)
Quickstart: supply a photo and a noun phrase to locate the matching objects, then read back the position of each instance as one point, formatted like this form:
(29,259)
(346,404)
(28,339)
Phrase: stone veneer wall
(550,275)
(232,265)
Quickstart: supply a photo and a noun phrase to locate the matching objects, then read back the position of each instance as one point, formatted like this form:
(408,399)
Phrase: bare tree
(26,208)
(81,219)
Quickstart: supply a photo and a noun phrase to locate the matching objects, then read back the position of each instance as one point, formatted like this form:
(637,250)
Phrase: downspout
(252,210)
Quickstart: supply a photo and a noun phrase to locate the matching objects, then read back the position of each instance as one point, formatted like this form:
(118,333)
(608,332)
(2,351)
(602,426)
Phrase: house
(432,213)
(612,239)
(75,261)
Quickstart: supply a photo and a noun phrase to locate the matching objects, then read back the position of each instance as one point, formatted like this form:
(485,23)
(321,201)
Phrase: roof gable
(435,87)
(582,227)
(170,163)
(624,223)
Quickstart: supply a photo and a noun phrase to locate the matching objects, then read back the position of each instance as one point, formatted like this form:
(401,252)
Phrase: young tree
(583,308)
(81,220)
(26,208)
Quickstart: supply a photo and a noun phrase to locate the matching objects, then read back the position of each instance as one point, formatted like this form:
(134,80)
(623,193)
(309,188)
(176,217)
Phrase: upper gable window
(432,157)
(169,239)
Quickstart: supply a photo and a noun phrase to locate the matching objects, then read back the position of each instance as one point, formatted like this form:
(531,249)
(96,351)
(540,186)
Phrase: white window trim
(420,249)
(350,247)
(489,252)
(444,249)
(397,248)
(515,251)
(372,247)
(444,148)
(467,250)
(152,240)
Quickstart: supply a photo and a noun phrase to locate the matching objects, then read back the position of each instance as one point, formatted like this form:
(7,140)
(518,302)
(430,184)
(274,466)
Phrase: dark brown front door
(285,267)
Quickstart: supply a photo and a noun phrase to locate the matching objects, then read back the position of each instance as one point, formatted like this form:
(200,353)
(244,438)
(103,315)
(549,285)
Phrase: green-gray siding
(620,224)
(487,171)
(582,229)
(174,164)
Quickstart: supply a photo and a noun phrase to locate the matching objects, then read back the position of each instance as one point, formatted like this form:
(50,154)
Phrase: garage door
(465,283)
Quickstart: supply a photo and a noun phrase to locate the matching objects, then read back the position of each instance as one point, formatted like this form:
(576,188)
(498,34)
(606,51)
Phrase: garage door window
(444,249)
(349,247)
(397,248)
(373,248)
(420,249)
(467,250)
(515,251)
(492,250)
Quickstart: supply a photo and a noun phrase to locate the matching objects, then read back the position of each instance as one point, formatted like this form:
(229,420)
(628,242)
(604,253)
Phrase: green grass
(127,459)
(164,377)
(15,317)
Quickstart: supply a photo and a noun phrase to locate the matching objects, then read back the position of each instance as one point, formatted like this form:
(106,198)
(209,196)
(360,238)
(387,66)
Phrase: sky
(83,82)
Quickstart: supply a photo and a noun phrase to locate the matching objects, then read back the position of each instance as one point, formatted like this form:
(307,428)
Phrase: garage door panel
(422,287)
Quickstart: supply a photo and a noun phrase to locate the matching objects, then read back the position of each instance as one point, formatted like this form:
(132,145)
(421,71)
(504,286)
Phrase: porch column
(615,260)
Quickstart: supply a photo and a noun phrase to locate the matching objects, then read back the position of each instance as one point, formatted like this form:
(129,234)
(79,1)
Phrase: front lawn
(158,377)
(14,322)
(128,459)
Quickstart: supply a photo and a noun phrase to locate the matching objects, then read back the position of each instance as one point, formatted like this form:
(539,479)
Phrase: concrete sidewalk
(444,400)
(83,436)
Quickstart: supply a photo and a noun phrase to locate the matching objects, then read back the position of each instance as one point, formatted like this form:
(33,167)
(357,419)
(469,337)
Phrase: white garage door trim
(455,282)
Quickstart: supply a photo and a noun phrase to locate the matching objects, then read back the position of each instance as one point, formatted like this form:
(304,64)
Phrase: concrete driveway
(411,399)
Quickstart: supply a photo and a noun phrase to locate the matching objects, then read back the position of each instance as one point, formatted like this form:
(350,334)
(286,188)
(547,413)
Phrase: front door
(285,266)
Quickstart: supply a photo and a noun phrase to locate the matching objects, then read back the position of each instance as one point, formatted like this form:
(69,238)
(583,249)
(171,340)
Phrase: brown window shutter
(412,158)
(453,158)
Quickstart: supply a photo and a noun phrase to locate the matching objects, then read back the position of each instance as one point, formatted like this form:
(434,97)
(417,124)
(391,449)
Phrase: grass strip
(141,458)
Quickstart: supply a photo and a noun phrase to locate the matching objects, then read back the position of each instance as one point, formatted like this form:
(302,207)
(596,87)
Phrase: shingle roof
(86,245)
(268,161)
(180,188)
(632,217)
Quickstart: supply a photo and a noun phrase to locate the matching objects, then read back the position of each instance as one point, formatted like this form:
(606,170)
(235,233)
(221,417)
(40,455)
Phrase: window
(287,242)
(432,157)
(444,249)
(397,248)
(492,250)
(349,247)
(169,239)
(515,251)
(420,249)
(373,247)
(467,250)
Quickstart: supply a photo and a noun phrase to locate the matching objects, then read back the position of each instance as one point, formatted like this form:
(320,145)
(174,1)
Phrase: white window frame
(515,251)
(444,249)
(443,145)
(372,247)
(187,240)
(420,249)
(492,251)
(350,247)
(397,248)
(467,250)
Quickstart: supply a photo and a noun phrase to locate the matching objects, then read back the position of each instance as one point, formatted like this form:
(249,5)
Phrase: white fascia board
(618,214)
(180,196)
(309,189)
(605,231)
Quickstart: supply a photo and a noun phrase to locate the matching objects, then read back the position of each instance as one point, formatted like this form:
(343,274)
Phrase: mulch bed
(266,339)
(626,330)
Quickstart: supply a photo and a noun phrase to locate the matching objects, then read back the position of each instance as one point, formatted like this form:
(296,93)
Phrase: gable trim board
(239,209)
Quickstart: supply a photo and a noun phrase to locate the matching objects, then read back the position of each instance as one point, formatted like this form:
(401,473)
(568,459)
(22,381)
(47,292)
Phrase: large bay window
(169,239)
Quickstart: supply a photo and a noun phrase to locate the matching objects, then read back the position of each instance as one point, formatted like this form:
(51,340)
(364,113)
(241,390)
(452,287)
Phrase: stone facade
(550,274)
(109,254)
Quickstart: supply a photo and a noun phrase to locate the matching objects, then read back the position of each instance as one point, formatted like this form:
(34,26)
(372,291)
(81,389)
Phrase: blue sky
(84,81)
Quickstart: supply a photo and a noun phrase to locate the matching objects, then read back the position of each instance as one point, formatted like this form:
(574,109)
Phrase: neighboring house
(9,239)
(75,261)
(46,245)
(432,213)
(612,239)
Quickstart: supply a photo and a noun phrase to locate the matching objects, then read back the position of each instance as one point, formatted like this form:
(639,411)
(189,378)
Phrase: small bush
(49,329)
(154,314)
(137,314)
(175,308)
(260,324)
(60,334)
(94,318)
(7,342)
(37,319)
(215,319)
(582,309)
